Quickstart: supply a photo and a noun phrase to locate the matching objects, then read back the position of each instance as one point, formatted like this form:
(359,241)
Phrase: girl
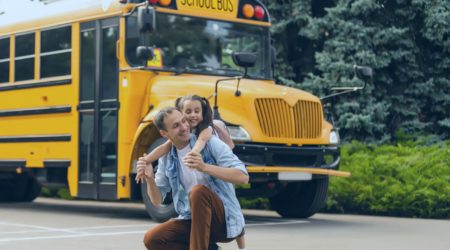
(198,113)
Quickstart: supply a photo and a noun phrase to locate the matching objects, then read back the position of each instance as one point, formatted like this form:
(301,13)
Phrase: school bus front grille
(278,119)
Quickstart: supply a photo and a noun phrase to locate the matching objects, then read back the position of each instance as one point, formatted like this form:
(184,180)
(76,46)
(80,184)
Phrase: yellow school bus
(80,82)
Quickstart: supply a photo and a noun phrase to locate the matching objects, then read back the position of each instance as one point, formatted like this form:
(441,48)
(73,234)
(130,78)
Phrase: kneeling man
(201,185)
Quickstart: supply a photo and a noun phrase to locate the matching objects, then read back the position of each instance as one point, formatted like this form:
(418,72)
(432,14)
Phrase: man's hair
(159,118)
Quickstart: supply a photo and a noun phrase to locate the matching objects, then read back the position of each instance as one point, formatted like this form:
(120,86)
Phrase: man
(201,185)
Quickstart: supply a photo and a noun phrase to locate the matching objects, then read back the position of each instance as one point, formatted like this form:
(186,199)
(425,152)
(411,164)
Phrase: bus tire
(301,199)
(160,213)
(166,210)
(18,188)
(33,190)
(12,188)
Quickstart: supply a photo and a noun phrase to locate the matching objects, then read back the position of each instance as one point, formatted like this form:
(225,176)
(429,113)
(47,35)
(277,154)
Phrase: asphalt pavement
(58,224)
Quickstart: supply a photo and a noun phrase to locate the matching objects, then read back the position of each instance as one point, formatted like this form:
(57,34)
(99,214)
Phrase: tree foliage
(407,42)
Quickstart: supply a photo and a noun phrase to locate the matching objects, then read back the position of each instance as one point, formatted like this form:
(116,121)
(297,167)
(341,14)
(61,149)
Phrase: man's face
(177,128)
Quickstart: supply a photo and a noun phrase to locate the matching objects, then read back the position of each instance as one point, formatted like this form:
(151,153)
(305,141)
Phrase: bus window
(202,46)
(24,57)
(55,52)
(4,60)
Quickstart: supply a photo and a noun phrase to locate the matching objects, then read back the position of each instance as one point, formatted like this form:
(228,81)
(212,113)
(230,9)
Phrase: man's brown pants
(206,225)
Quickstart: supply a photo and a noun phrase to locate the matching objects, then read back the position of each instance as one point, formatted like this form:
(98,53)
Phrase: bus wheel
(19,188)
(159,213)
(301,199)
(33,189)
(12,187)
(166,210)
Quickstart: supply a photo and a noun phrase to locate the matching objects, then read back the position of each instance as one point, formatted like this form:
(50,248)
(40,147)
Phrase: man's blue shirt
(217,153)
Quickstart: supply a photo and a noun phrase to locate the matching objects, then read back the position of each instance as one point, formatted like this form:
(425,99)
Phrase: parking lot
(58,224)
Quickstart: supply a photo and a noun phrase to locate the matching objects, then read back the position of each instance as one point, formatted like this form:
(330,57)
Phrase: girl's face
(192,110)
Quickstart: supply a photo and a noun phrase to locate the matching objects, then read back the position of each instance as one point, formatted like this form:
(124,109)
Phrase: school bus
(80,82)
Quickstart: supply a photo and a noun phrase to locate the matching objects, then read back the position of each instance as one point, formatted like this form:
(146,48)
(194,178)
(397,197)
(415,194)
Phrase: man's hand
(143,170)
(229,174)
(194,160)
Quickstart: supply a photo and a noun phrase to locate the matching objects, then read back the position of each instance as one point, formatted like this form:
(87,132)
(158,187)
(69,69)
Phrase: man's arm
(230,174)
(152,189)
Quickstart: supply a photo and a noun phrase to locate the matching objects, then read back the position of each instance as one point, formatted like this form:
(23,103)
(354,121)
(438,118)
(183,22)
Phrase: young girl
(198,113)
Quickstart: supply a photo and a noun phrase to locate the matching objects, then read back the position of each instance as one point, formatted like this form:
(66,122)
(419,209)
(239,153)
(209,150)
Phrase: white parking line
(114,226)
(75,233)
(38,227)
(276,223)
(23,232)
(69,236)
(79,228)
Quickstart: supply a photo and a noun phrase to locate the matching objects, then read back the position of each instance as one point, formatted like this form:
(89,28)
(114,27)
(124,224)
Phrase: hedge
(410,179)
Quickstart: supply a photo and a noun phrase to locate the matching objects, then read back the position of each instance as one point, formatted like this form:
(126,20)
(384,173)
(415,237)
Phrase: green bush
(61,193)
(409,179)
(255,203)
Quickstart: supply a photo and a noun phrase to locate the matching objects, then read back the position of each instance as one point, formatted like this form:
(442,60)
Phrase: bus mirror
(144,53)
(146,19)
(363,72)
(244,59)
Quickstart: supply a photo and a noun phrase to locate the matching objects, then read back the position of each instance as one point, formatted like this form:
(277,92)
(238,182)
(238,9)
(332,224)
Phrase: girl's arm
(203,138)
(223,133)
(158,152)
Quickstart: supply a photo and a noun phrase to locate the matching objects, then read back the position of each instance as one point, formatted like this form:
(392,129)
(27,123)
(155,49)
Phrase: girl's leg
(240,240)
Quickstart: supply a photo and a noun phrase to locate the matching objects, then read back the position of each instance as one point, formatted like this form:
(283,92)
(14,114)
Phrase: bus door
(98,109)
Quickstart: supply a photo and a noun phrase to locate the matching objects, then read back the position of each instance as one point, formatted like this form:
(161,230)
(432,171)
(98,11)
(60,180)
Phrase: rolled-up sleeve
(161,179)
(224,156)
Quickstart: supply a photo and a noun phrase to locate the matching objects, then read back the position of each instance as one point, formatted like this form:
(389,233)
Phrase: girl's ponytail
(207,117)
(177,103)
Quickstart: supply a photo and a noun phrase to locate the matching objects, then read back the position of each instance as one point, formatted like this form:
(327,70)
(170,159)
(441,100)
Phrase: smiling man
(201,185)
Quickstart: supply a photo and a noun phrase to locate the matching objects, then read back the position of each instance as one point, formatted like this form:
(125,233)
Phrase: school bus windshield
(195,45)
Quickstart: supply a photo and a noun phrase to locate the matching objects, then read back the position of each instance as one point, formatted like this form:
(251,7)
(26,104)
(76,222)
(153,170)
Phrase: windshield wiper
(208,69)
(179,71)
(230,70)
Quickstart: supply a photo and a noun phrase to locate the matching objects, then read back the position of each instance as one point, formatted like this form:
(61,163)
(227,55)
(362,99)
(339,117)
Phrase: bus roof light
(165,2)
(248,11)
(259,12)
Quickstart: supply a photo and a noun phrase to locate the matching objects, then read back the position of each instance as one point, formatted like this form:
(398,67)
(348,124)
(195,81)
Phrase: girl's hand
(143,170)
(194,160)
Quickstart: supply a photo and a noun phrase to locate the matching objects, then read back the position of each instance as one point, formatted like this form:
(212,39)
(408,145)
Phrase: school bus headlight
(238,133)
(334,137)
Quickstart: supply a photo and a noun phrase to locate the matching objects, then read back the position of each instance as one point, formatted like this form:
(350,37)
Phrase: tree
(407,42)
